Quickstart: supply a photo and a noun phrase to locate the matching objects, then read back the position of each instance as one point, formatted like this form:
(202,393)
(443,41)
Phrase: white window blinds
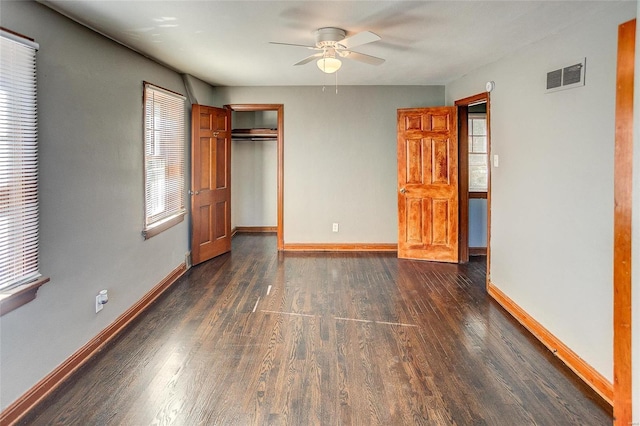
(164,146)
(18,162)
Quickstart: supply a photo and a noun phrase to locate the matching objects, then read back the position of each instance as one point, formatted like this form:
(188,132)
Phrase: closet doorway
(257,164)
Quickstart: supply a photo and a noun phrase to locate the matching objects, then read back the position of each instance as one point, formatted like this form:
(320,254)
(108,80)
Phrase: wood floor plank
(257,337)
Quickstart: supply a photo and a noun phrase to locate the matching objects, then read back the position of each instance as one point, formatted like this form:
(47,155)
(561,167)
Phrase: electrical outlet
(99,304)
(335,227)
(101,299)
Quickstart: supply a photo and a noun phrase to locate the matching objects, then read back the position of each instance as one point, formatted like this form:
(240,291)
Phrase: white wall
(91,194)
(197,91)
(552,196)
(254,183)
(339,157)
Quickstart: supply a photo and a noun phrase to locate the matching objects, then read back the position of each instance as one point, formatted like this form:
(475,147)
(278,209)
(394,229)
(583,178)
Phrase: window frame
(174,162)
(21,189)
(477,193)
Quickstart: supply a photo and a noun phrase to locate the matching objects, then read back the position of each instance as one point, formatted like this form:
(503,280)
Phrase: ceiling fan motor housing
(329,36)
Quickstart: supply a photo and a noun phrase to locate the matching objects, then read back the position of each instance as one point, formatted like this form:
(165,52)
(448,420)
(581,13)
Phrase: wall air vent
(566,77)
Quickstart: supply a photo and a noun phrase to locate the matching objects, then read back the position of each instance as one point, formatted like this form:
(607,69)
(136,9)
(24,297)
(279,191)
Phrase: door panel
(205,225)
(221,219)
(428,184)
(221,164)
(210,182)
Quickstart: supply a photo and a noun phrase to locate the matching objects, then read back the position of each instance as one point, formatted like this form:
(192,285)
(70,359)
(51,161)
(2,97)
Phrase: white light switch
(496,161)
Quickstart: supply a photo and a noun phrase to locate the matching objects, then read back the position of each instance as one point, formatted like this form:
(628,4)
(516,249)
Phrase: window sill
(14,298)
(152,232)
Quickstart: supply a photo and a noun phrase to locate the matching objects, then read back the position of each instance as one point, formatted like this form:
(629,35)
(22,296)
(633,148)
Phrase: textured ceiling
(424,42)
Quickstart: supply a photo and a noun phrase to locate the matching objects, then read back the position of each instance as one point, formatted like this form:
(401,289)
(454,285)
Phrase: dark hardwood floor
(257,337)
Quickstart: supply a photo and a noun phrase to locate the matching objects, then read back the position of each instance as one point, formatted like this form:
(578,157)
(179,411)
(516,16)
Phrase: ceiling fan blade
(361,57)
(309,58)
(359,39)
(295,45)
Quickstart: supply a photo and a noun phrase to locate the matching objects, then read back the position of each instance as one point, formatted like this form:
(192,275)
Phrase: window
(18,164)
(164,165)
(478,158)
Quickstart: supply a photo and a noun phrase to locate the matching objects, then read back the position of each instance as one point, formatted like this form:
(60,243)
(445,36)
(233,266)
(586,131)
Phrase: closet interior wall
(254,171)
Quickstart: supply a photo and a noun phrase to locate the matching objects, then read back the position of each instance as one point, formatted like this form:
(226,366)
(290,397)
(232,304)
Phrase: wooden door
(623,285)
(210,182)
(428,184)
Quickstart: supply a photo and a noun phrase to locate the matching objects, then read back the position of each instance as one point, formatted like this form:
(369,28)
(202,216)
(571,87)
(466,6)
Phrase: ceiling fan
(332,44)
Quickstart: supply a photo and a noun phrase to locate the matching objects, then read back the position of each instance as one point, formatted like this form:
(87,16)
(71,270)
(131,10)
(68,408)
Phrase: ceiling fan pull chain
(336,83)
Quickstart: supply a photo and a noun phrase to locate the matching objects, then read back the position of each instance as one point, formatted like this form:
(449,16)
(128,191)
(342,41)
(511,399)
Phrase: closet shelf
(254,134)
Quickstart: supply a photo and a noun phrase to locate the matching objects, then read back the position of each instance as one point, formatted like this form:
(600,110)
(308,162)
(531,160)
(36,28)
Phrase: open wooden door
(210,182)
(428,184)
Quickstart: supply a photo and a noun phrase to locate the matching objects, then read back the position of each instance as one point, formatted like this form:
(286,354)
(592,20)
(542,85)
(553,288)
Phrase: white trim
(19,39)
(165,91)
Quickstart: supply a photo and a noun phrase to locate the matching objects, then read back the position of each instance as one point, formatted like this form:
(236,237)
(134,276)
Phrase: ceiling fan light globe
(329,65)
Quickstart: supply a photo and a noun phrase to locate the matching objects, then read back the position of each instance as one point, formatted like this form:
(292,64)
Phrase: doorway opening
(475,176)
(268,125)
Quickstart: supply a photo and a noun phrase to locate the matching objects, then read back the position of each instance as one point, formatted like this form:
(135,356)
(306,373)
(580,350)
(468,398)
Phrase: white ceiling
(424,42)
